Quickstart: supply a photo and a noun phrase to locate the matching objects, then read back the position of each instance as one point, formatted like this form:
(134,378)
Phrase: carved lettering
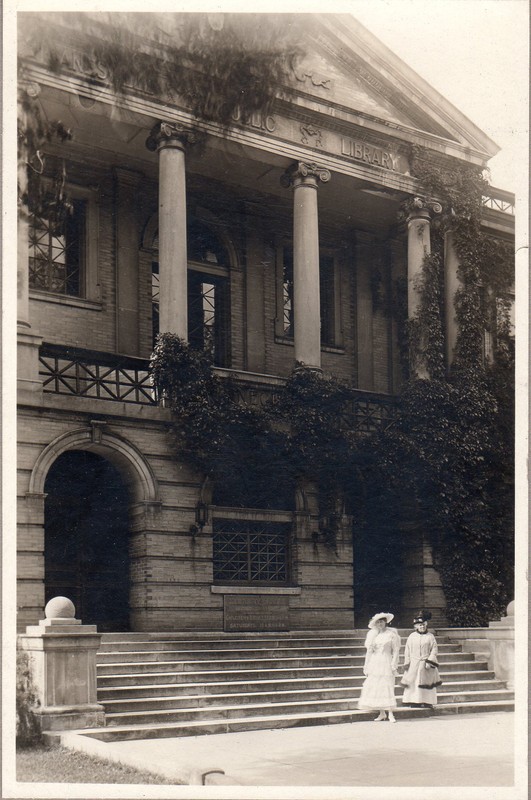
(375,156)
(257,121)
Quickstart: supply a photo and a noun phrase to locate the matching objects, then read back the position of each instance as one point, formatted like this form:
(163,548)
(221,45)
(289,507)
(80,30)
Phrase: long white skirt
(378,692)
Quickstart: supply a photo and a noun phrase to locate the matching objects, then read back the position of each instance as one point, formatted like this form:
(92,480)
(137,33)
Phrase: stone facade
(345,138)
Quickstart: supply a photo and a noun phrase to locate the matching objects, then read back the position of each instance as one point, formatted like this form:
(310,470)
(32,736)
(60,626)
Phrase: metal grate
(250,551)
(56,253)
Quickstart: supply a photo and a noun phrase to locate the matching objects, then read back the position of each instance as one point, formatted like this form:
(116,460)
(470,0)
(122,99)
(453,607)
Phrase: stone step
(473,708)
(215,687)
(470,675)
(169,642)
(482,690)
(237,707)
(225,649)
(242,699)
(457,696)
(164,653)
(228,655)
(152,672)
(173,643)
(198,637)
(116,677)
(239,711)
(202,693)
(270,721)
(142,662)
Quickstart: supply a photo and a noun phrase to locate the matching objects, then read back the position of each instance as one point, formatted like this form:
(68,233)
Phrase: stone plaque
(251,612)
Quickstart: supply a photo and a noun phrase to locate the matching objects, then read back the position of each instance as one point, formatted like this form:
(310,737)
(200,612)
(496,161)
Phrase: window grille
(250,551)
(287,293)
(56,253)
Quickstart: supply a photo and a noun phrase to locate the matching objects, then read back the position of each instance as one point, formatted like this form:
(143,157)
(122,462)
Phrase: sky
(475,53)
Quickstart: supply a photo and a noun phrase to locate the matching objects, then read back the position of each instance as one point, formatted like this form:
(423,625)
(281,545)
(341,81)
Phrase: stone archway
(118,466)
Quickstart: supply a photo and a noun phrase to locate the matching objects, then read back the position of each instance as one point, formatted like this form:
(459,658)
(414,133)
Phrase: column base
(300,367)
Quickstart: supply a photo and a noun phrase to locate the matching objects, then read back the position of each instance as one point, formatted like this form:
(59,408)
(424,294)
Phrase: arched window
(208,292)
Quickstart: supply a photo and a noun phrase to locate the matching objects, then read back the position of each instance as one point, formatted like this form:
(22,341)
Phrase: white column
(306,301)
(418,246)
(170,141)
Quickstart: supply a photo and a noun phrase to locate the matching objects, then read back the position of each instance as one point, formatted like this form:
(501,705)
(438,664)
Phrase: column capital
(304,172)
(420,208)
(170,134)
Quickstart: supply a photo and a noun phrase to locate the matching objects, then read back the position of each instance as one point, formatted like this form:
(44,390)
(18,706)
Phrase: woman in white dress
(421,670)
(381,667)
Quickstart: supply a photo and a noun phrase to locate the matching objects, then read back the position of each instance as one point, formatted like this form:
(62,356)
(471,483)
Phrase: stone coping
(264,590)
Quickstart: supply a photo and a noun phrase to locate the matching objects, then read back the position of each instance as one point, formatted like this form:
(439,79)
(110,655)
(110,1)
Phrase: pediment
(348,69)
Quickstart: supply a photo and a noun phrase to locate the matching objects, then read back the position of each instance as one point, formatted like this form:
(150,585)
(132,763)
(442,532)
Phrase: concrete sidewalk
(456,750)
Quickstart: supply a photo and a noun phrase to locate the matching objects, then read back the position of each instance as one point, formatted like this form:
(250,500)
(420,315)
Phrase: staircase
(157,685)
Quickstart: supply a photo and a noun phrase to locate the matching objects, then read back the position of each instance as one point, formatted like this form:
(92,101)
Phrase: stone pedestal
(501,638)
(62,660)
(495,644)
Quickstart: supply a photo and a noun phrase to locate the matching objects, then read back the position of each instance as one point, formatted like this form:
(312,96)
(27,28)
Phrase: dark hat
(422,616)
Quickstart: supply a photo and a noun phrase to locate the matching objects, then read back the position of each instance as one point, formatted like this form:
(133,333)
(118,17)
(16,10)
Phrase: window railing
(499,200)
(105,376)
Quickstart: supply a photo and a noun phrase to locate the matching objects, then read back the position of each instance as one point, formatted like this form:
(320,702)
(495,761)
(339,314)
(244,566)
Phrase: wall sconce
(201,515)
(201,519)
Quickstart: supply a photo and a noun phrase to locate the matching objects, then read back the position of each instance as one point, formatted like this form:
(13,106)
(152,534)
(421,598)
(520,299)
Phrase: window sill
(255,590)
(332,348)
(65,300)
(325,348)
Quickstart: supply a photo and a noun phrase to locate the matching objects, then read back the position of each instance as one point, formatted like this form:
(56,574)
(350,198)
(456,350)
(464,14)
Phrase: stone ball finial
(510,609)
(60,608)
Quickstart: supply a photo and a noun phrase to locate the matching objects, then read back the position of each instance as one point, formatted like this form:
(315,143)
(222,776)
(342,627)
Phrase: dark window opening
(328,300)
(207,315)
(327,295)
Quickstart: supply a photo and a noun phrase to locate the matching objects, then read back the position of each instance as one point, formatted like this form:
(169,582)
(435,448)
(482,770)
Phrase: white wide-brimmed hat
(382,615)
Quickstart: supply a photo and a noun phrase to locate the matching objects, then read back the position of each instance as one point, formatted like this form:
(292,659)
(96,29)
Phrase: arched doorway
(86,538)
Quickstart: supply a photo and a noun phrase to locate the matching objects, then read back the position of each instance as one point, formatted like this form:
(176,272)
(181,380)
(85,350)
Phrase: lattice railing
(102,376)
(498,200)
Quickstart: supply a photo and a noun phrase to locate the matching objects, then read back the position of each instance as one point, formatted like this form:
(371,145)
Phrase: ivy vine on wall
(451,449)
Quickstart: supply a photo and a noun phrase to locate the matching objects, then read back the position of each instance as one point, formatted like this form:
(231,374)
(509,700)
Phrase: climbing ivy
(222,66)
(453,442)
